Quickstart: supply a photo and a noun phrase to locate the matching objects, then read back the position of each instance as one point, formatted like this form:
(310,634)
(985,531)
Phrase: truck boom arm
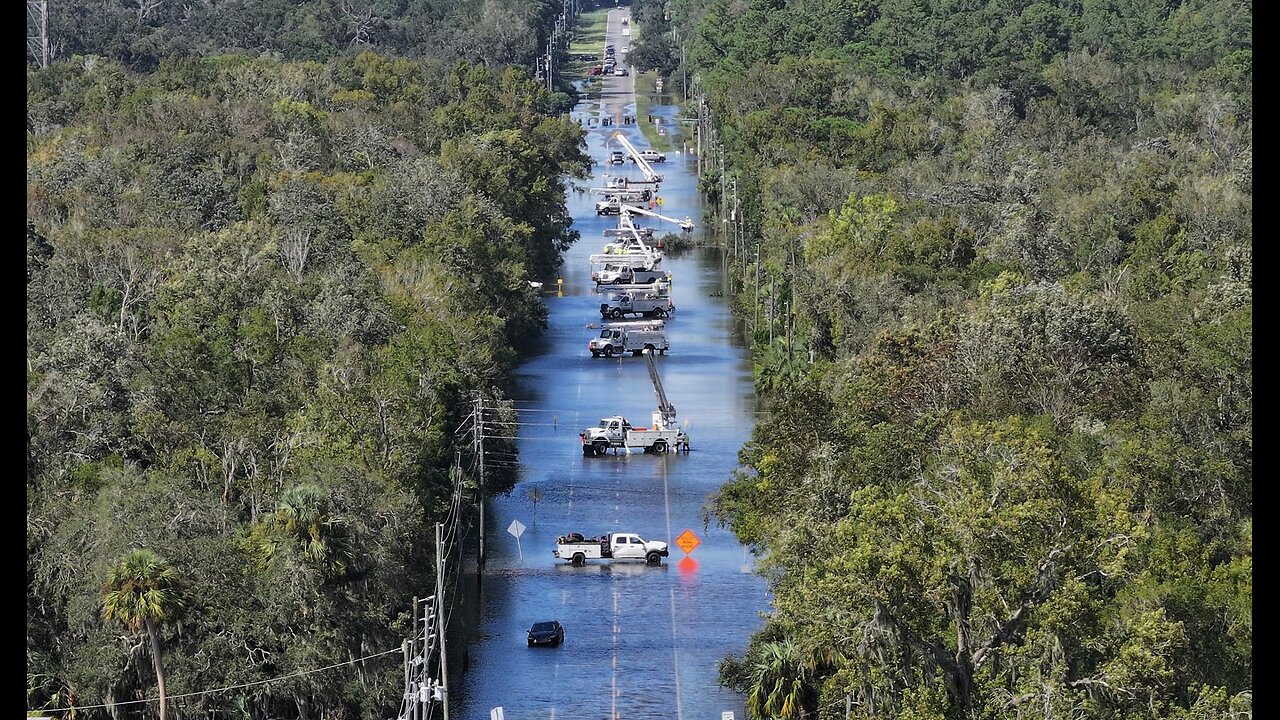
(685,224)
(665,409)
(650,174)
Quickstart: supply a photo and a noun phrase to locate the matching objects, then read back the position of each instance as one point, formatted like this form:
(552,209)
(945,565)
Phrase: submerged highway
(640,642)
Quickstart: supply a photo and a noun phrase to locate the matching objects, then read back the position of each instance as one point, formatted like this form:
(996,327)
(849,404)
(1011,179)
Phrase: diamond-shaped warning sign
(687,541)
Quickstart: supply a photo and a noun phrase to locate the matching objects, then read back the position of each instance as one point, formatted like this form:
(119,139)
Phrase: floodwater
(640,642)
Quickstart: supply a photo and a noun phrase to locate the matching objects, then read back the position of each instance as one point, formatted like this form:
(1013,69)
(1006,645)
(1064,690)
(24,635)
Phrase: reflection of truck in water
(614,546)
(635,338)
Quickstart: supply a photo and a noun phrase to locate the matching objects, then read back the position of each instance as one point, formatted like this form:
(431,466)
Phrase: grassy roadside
(647,95)
(588,39)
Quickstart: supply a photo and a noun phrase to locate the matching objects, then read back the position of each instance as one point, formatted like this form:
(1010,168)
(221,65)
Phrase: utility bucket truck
(622,274)
(649,173)
(633,337)
(645,304)
(616,432)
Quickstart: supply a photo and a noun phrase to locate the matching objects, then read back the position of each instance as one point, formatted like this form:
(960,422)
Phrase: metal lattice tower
(38,31)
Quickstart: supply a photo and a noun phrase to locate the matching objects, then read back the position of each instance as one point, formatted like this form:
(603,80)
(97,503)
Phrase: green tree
(142,591)
(780,683)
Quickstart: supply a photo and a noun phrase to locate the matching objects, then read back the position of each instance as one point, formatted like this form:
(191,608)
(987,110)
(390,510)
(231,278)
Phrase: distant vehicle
(652,156)
(617,157)
(614,546)
(588,57)
(621,72)
(626,21)
(550,632)
(608,207)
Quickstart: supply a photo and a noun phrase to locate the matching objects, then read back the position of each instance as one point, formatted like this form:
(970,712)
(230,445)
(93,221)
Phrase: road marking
(675,650)
(675,657)
(616,631)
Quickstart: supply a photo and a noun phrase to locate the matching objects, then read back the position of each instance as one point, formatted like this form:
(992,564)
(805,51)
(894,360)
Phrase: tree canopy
(261,298)
(1003,327)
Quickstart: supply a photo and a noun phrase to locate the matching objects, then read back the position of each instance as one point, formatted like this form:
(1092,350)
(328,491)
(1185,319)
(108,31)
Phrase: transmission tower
(38,31)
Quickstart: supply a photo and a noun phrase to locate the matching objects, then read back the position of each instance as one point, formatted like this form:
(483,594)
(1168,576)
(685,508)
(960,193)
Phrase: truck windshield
(605,334)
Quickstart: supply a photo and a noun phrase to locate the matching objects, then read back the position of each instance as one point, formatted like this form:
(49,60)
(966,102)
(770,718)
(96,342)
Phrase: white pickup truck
(617,432)
(635,338)
(647,304)
(614,546)
(652,156)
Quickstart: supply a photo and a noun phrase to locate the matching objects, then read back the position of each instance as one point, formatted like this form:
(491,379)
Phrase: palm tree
(141,591)
(302,519)
(780,682)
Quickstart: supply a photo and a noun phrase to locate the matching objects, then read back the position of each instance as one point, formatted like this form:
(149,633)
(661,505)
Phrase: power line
(300,673)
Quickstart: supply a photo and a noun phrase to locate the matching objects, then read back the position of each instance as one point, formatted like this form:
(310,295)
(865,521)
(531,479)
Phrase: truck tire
(653,558)
(601,447)
(649,347)
(660,446)
(660,312)
(616,313)
(579,559)
(608,351)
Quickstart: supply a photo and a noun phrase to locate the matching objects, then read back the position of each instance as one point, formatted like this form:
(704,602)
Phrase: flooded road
(640,642)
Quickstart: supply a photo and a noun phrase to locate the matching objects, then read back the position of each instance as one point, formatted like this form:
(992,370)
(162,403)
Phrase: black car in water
(546,633)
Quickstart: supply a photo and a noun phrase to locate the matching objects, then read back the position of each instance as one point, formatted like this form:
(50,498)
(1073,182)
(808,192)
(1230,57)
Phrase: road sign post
(516,528)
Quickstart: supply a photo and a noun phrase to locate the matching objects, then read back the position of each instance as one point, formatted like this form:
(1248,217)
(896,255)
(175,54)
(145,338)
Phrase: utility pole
(477,425)
(38,33)
(733,217)
(724,191)
(440,629)
(408,664)
(756,323)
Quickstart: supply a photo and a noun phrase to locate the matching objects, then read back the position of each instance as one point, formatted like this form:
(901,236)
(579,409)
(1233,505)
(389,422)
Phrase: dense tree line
(1003,323)
(261,297)
(141,33)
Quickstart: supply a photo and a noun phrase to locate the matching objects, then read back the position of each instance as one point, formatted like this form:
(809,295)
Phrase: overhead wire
(300,673)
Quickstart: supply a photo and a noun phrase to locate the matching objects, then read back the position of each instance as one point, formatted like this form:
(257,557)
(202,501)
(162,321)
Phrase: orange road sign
(687,541)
